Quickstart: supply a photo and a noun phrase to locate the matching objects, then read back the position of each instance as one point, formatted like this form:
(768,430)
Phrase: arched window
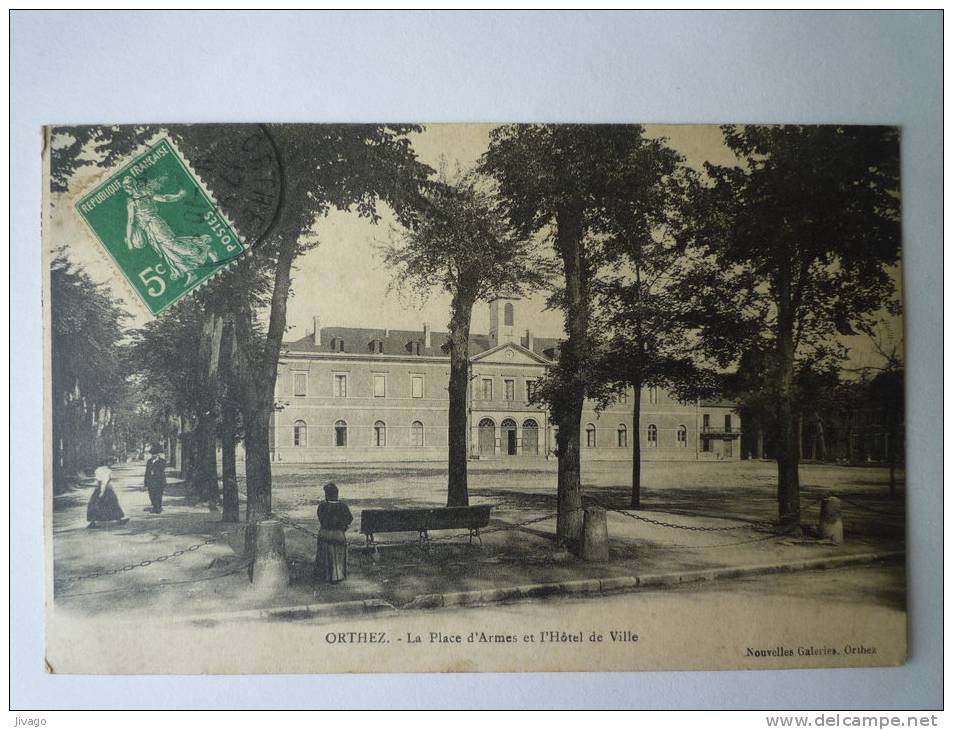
(590,435)
(340,433)
(508,315)
(530,437)
(300,433)
(487,436)
(653,436)
(417,433)
(682,436)
(622,436)
(380,433)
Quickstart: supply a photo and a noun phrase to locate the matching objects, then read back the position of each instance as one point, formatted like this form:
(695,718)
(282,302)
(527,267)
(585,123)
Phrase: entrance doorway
(508,436)
(487,437)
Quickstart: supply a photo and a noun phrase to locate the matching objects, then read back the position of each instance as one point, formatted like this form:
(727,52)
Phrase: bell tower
(504,325)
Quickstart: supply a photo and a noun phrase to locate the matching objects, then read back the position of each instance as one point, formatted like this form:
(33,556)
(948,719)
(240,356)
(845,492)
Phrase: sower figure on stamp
(334,517)
(155,478)
(144,226)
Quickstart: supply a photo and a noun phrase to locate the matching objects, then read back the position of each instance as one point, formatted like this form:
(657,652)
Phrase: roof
(357,340)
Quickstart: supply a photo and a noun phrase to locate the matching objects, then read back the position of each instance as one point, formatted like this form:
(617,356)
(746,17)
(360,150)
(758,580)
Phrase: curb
(626,584)
(291,613)
(605,586)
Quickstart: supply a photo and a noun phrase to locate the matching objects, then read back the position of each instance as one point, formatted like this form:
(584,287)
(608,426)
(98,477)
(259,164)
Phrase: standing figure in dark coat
(330,565)
(103,504)
(155,478)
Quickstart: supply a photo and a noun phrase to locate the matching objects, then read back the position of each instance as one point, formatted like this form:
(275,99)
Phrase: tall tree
(87,371)
(172,355)
(641,303)
(315,168)
(348,167)
(558,180)
(805,230)
(464,246)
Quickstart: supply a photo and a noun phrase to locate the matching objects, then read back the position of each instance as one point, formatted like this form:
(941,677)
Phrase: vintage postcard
(480,397)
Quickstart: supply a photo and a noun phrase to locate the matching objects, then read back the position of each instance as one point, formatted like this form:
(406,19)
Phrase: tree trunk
(173,448)
(461,311)
(230,502)
(205,471)
(257,468)
(789,489)
(820,449)
(759,442)
(188,455)
(636,501)
(569,403)
(255,379)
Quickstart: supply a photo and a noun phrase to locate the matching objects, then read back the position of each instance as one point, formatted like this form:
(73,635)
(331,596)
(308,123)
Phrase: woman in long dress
(334,517)
(144,226)
(104,504)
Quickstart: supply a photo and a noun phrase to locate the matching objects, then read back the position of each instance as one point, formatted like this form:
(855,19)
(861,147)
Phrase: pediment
(509,353)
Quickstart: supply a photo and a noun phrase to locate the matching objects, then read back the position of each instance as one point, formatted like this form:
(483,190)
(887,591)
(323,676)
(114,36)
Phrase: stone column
(269,568)
(595,536)
(831,524)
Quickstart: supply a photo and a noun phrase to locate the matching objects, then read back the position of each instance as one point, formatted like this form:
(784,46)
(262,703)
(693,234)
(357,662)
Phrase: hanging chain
(146,563)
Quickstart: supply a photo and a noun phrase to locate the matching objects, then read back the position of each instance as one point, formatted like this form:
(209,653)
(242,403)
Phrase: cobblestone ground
(724,503)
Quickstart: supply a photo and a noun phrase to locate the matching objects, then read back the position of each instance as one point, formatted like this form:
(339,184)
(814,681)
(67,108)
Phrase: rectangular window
(300,384)
(653,395)
(380,385)
(623,397)
(706,422)
(728,423)
(487,388)
(530,390)
(417,386)
(510,386)
(340,385)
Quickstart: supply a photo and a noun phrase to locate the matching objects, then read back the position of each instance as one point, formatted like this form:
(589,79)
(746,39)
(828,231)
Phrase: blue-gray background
(859,67)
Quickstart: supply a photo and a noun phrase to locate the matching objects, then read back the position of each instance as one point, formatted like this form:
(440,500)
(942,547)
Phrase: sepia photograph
(521,397)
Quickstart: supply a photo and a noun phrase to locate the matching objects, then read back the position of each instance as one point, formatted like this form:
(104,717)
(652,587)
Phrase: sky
(343,280)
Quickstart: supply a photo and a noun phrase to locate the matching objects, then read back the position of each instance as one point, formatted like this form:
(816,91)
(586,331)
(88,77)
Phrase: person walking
(334,517)
(155,478)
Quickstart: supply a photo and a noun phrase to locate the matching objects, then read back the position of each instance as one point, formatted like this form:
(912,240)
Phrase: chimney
(317,331)
(426,335)
(529,340)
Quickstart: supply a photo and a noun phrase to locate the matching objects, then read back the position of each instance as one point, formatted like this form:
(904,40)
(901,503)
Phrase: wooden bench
(422,521)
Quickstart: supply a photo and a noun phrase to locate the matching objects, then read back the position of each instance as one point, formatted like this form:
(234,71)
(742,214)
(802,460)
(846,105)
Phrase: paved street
(211,579)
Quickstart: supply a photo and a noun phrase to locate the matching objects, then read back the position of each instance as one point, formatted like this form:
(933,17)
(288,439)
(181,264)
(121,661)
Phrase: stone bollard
(269,569)
(831,525)
(595,535)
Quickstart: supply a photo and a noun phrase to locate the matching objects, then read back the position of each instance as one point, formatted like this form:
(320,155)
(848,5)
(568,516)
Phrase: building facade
(373,395)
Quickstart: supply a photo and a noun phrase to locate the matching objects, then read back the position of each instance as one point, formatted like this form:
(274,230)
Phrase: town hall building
(378,395)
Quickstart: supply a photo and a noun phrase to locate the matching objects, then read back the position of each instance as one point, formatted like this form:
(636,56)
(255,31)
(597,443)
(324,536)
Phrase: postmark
(160,225)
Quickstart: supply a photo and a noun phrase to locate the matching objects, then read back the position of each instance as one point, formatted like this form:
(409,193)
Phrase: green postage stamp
(160,225)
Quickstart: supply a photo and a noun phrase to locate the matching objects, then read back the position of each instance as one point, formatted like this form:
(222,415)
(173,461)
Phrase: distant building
(356,394)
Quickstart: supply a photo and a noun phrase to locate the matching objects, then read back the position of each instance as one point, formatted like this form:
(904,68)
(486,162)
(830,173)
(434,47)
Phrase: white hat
(103,474)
